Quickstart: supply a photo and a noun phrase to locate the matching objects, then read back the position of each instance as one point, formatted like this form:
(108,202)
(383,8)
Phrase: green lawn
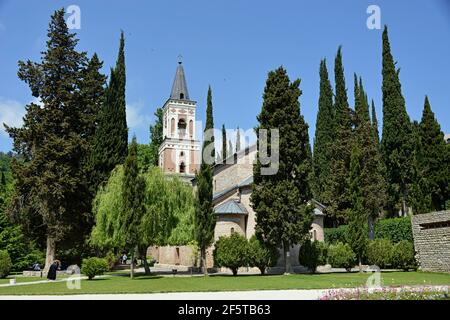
(153,284)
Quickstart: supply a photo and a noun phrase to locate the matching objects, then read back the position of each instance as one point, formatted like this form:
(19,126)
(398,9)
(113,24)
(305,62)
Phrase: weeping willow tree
(168,217)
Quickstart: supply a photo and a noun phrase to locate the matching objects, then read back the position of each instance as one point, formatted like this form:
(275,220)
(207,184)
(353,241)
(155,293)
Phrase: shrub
(313,254)
(5,264)
(261,255)
(335,235)
(340,255)
(112,260)
(92,267)
(379,252)
(231,252)
(403,256)
(395,229)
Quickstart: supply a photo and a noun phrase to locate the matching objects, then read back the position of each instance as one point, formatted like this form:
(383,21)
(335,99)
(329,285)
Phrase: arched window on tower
(181,96)
(182,167)
(181,127)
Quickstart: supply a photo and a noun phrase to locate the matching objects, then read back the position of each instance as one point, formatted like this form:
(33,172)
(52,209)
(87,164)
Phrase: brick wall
(431,233)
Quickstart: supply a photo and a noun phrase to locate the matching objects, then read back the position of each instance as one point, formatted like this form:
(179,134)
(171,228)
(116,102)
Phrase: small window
(232,230)
(181,154)
(181,96)
(314,235)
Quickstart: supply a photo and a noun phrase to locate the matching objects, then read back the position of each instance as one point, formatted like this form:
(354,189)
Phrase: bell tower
(178,154)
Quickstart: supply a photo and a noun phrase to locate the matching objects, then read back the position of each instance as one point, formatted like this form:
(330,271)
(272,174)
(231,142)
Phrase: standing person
(124,259)
(51,275)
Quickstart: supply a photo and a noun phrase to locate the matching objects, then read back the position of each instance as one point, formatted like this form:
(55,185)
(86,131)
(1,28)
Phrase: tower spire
(179,87)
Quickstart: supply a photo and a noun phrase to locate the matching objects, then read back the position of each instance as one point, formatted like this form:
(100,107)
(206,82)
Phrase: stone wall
(431,233)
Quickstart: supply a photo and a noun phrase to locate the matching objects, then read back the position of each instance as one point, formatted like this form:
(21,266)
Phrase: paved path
(226,295)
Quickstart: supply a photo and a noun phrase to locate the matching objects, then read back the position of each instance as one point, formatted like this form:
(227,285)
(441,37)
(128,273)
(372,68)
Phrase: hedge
(395,229)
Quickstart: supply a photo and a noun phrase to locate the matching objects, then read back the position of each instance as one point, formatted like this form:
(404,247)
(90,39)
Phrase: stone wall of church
(251,218)
(229,176)
(431,233)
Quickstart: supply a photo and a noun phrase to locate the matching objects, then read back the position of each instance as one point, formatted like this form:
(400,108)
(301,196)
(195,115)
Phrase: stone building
(232,180)
(431,233)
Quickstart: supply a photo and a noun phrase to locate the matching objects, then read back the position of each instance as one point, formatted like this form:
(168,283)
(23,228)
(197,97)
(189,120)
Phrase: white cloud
(136,119)
(11,113)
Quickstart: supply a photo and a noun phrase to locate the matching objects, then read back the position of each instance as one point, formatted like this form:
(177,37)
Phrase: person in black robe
(51,275)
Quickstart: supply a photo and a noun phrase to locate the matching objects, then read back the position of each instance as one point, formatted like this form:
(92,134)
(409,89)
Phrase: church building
(232,180)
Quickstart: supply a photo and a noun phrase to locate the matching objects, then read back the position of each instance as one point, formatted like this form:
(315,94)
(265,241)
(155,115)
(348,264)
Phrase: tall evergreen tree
(375,122)
(53,141)
(238,140)
(372,182)
(204,219)
(357,215)
(224,143)
(280,200)
(337,192)
(433,168)
(156,136)
(324,136)
(397,141)
(133,193)
(111,138)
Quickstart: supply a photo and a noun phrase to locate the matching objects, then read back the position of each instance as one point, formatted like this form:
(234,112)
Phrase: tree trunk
(144,261)
(360,265)
(287,259)
(50,254)
(132,265)
(203,261)
(371,227)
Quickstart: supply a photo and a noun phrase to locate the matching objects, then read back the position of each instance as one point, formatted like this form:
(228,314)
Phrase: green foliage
(5,264)
(111,259)
(224,143)
(313,254)
(357,215)
(431,188)
(280,200)
(231,252)
(397,140)
(204,219)
(54,142)
(261,255)
(156,136)
(403,256)
(111,136)
(94,266)
(341,255)
(337,188)
(324,136)
(396,229)
(334,235)
(144,157)
(379,253)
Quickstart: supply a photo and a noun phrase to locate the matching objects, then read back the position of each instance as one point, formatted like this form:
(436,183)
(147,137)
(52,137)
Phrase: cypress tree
(156,136)
(324,136)
(397,143)
(204,219)
(357,217)
(433,164)
(133,193)
(111,139)
(375,123)
(280,200)
(372,182)
(224,143)
(238,140)
(53,141)
(337,192)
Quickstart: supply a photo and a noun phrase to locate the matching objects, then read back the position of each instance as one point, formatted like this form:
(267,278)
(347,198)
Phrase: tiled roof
(230,207)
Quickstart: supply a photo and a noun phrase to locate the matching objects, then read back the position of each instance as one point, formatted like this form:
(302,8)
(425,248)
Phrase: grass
(154,284)
(20,278)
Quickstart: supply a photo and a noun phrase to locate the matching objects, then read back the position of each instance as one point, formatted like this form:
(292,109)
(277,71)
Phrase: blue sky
(232,45)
